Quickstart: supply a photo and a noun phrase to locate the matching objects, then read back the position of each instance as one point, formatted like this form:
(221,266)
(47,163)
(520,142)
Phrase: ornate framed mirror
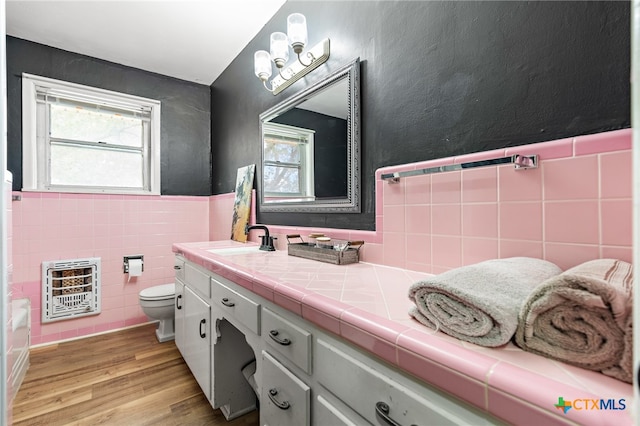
(311,148)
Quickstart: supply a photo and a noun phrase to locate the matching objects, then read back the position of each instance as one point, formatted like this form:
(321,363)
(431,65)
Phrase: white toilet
(157,303)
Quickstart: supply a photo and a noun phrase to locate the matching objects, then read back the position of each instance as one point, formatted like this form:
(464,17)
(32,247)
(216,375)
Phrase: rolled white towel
(582,317)
(479,303)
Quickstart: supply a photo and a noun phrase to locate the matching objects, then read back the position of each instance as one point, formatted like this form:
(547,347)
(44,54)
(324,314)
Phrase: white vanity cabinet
(210,340)
(193,322)
(304,375)
(179,316)
(196,349)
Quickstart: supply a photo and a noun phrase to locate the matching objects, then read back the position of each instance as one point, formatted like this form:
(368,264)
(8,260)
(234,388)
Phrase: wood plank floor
(124,378)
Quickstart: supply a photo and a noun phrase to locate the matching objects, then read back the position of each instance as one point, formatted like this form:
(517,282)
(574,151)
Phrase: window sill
(90,191)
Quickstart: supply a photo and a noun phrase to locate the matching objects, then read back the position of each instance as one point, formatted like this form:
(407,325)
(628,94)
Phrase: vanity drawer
(379,393)
(231,302)
(288,339)
(285,400)
(197,280)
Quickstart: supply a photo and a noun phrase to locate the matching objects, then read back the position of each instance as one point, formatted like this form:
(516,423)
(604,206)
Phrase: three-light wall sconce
(296,37)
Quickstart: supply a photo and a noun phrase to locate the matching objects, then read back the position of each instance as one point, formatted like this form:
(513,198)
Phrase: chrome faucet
(267,241)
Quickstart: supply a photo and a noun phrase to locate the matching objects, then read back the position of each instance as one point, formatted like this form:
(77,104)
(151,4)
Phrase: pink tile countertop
(367,305)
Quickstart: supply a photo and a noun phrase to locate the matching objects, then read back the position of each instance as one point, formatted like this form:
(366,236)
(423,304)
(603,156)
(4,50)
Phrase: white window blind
(82,139)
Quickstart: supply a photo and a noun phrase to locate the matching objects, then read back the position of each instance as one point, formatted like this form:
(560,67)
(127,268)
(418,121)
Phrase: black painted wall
(185,128)
(441,79)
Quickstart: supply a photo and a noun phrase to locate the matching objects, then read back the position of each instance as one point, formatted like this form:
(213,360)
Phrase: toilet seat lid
(164,291)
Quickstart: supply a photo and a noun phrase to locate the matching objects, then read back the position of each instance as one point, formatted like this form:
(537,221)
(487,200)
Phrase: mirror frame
(351,203)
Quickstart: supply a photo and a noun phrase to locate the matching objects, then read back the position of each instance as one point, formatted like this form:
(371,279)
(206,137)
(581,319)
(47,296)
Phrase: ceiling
(193,40)
(330,101)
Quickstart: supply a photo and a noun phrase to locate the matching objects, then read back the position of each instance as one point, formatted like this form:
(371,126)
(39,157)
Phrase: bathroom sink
(230,251)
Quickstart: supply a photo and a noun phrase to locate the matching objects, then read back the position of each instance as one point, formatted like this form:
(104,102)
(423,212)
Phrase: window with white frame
(77,138)
(288,162)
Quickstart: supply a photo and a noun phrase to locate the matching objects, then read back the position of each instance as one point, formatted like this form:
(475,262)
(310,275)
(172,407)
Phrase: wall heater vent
(70,289)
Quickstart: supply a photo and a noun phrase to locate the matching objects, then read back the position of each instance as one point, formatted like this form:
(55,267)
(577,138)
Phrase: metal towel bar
(519,162)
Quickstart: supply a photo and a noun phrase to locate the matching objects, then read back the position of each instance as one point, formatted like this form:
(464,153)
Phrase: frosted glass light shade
(297,31)
(279,49)
(262,64)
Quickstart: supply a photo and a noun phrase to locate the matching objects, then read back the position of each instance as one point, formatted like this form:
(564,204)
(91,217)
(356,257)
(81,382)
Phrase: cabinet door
(197,334)
(179,316)
(285,399)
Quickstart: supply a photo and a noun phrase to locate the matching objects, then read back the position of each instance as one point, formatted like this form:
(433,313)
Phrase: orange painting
(242,203)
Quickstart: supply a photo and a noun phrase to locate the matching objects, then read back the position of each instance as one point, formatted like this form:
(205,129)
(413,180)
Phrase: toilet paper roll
(135,267)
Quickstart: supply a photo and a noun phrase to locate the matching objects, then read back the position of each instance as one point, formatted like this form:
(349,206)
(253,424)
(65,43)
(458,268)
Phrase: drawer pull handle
(203,334)
(226,302)
(382,409)
(274,336)
(177,267)
(178,297)
(281,405)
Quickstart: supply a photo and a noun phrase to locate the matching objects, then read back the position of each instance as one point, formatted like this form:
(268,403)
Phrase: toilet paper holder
(126,259)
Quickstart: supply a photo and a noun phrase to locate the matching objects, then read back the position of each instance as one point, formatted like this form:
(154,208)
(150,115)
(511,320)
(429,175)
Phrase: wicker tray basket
(347,251)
